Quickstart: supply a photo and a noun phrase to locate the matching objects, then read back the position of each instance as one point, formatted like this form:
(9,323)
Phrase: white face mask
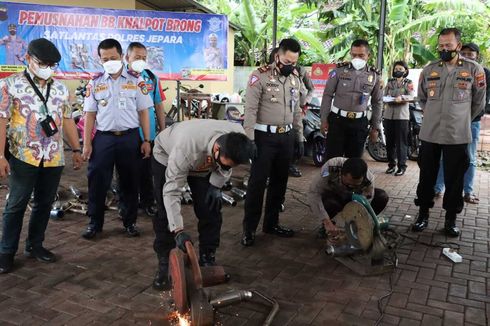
(44,73)
(112,66)
(358,64)
(138,65)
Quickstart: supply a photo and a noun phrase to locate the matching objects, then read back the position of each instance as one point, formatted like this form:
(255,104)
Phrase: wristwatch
(146,141)
(78,150)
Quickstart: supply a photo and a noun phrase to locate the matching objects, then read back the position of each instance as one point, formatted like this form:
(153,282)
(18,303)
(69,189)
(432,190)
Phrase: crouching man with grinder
(333,187)
(201,153)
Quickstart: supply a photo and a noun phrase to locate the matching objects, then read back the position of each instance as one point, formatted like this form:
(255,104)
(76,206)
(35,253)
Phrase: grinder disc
(358,224)
(179,286)
(194,264)
(202,312)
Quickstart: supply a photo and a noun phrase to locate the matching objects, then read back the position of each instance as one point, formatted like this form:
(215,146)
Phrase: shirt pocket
(433,90)
(462,92)
(102,98)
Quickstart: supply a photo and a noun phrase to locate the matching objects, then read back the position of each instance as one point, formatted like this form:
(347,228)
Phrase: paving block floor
(108,281)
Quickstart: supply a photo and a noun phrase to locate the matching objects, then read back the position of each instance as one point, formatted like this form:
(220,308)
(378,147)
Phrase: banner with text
(180,45)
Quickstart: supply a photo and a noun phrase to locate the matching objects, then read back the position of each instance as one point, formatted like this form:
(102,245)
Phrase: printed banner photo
(180,45)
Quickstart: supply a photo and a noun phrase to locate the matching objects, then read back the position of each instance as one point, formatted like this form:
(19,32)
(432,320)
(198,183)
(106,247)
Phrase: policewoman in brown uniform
(396,117)
(271,102)
(345,101)
(452,93)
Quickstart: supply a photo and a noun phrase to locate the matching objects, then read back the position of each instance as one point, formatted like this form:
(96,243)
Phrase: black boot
(450,227)
(207,257)
(161,280)
(422,221)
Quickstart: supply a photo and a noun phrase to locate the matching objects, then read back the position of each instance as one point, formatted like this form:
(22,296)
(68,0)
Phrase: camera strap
(38,92)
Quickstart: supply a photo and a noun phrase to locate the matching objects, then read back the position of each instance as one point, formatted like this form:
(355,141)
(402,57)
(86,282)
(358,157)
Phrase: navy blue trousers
(108,151)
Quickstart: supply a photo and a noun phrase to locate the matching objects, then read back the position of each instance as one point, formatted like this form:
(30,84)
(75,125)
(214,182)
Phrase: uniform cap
(472,47)
(12,26)
(44,50)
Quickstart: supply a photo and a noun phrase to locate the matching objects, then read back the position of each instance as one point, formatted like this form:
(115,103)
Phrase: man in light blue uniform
(136,56)
(119,100)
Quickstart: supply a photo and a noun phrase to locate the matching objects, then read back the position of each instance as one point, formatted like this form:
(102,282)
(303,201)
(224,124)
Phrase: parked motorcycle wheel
(377,150)
(319,149)
(413,149)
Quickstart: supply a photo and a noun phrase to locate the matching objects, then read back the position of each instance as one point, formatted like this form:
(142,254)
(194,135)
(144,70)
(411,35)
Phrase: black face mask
(222,166)
(286,70)
(447,55)
(12,33)
(398,74)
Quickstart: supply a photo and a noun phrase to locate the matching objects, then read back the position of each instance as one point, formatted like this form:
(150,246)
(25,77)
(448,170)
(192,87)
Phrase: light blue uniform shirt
(157,96)
(117,102)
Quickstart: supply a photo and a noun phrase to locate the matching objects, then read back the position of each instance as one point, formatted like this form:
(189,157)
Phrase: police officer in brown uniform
(345,101)
(272,99)
(452,93)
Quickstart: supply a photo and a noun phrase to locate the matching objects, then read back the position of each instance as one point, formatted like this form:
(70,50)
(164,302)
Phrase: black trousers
(334,202)
(123,152)
(456,162)
(396,132)
(346,137)
(23,180)
(145,185)
(274,155)
(209,225)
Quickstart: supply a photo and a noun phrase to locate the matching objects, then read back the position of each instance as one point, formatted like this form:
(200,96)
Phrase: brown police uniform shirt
(272,99)
(329,180)
(350,90)
(185,148)
(394,110)
(451,100)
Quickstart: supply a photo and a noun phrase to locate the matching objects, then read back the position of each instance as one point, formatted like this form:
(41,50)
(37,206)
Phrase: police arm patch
(480,80)
(253,80)
(143,88)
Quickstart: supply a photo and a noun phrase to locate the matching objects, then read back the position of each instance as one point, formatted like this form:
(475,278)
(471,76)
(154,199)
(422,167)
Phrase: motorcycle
(377,149)
(182,108)
(315,141)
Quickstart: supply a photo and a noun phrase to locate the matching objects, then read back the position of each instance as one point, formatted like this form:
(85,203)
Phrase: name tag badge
(122,103)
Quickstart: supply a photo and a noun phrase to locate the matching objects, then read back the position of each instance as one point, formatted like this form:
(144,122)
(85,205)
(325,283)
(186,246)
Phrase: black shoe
(281,231)
(207,258)
(294,171)
(6,263)
(390,170)
(450,227)
(248,238)
(151,210)
(90,232)
(400,171)
(132,231)
(41,254)
(161,280)
(422,221)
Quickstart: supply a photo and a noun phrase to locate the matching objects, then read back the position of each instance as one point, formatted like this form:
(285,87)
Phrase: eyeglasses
(43,65)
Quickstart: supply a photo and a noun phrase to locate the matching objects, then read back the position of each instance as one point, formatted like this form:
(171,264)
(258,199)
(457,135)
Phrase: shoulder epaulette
(265,68)
(343,64)
(133,73)
(97,75)
(374,69)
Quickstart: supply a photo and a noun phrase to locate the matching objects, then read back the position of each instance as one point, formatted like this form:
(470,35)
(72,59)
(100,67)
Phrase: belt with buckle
(273,129)
(348,114)
(116,132)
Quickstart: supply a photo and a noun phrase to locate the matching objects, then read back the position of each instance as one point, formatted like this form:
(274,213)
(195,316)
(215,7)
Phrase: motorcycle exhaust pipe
(76,192)
(342,251)
(57,211)
(228,186)
(186,198)
(239,192)
(228,199)
(230,298)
